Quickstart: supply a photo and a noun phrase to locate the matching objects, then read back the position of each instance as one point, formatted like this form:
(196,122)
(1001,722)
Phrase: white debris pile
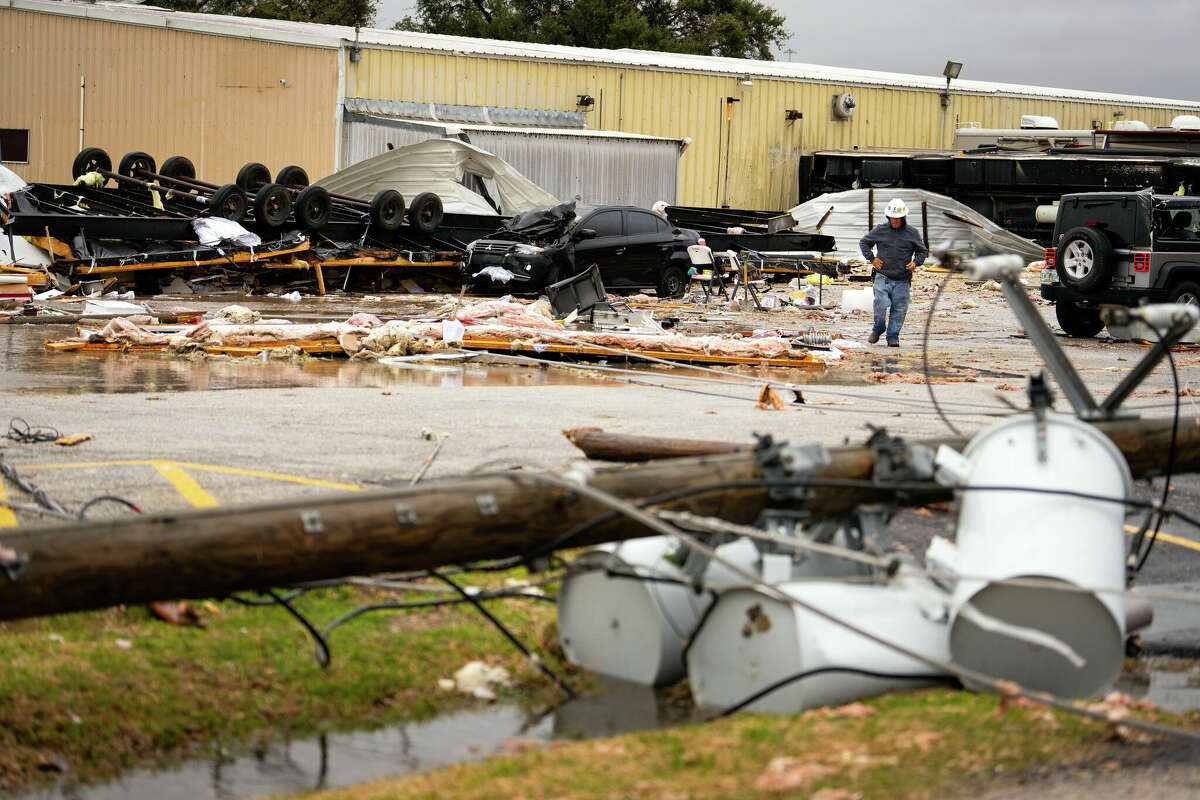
(477,679)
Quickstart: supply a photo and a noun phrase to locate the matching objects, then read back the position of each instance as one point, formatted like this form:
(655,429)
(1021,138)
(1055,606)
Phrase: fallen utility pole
(213,552)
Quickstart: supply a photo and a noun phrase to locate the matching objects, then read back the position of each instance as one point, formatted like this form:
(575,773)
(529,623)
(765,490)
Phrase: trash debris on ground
(478,679)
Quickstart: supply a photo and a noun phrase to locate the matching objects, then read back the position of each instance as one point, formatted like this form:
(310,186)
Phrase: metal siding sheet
(219,101)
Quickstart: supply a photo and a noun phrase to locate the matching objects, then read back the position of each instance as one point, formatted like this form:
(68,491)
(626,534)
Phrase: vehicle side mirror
(675,231)
(585,233)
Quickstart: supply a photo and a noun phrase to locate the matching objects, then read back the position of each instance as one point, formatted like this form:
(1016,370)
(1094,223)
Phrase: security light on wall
(952,70)
(745,81)
(585,100)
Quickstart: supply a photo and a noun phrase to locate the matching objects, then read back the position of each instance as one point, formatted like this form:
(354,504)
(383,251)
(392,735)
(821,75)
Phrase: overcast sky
(1143,47)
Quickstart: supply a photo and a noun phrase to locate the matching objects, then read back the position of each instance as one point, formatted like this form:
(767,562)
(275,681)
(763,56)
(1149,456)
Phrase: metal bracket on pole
(1174,318)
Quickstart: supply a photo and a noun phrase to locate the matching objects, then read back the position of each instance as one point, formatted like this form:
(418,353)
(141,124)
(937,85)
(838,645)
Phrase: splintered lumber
(580,349)
(600,445)
(212,552)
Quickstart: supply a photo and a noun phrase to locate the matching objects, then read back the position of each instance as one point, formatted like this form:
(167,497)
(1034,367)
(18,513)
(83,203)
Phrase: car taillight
(1141,261)
(1050,256)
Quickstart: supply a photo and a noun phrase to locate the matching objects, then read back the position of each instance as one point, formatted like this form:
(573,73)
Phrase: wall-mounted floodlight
(953,68)
(585,100)
(792,114)
(745,81)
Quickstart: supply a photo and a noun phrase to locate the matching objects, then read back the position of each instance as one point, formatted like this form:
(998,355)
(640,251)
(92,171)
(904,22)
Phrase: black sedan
(634,249)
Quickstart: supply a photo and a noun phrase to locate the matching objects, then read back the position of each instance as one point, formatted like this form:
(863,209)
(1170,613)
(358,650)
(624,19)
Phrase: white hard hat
(896,208)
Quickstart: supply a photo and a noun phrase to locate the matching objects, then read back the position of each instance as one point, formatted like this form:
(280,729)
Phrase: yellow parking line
(185,484)
(275,476)
(1169,539)
(7,518)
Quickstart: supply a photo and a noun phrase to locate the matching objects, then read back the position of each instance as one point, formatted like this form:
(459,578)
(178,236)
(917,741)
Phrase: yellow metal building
(225,90)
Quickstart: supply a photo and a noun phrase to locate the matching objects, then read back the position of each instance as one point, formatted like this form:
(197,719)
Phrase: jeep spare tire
(1084,259)
(1082,323)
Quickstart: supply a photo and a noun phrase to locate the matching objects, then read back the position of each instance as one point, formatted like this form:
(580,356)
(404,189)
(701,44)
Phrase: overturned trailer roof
(444,167)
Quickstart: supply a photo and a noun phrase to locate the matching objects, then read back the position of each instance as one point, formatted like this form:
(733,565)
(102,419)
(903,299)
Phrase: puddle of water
(335,760)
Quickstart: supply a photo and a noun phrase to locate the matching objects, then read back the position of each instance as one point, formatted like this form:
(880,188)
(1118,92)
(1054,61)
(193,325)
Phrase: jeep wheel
(1083,323)
(1084,259)
(1187,293)
(672,283)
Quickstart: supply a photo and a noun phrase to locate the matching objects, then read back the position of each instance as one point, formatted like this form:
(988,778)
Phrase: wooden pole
(212,552)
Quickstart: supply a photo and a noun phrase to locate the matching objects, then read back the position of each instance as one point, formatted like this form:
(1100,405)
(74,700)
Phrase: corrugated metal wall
(214,99)
(601,170)
(763,160)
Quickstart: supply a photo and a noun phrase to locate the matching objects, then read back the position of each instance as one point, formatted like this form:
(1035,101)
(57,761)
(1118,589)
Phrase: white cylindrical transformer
(1008,533)
(627,628)
(750,640)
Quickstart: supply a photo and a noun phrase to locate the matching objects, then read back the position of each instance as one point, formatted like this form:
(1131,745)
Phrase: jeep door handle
(619,251)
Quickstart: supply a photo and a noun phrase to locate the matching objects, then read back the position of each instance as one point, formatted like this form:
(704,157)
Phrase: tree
(732,28)
(328,12)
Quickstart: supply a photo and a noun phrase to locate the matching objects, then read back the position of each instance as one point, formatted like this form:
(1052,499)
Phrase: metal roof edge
(339,36)
(212,24)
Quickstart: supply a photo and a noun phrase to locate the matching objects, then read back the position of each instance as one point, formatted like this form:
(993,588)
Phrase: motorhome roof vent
(1130,125)
(1034,122)
(1186,122)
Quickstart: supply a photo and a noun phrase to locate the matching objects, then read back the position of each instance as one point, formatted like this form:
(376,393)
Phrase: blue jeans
(893,294)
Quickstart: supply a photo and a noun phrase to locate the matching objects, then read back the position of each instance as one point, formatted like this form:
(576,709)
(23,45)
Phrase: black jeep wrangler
(1121,248)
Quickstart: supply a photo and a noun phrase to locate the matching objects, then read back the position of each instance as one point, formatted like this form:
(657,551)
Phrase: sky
(1141,47)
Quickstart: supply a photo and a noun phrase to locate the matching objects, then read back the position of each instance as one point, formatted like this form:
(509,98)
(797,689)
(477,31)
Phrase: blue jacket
(895,248)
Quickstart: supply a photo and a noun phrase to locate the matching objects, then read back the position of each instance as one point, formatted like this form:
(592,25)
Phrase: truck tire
(673,283)
(272,204)
(292,177)
(425,213)
(1085,259)
(229,202)
(1082,323)
(1187,293)
(387,209)
(313,206)
(90,159)
(253,176)
(136,161)
(179,167)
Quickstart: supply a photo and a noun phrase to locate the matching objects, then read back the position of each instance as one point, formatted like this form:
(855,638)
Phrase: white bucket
(1015,534)
(626,628)
(750,641)
(858,299)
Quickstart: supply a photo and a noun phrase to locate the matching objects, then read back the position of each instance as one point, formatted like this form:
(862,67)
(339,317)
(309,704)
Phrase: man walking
(894,250)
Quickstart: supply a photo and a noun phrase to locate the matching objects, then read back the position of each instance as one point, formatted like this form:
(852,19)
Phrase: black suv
(633,247)
(1121,248)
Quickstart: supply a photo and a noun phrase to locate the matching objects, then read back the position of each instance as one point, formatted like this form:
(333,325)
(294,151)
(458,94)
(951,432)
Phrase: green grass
(248,677)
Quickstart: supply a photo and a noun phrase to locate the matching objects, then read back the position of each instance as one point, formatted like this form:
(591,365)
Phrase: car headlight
(527,250)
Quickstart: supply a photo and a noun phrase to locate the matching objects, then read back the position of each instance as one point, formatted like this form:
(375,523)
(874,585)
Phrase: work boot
(893,342)
(873,338)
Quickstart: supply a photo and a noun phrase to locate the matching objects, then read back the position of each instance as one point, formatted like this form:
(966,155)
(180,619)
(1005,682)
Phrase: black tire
(179,167)
(229,202)
(90,159)
(292,177)
(135,162)
(253,176)
(1082,323)
(1084,260)
(272,205)
(387,209)
(1187,293)
(673,282)
(425,213)
(313,206)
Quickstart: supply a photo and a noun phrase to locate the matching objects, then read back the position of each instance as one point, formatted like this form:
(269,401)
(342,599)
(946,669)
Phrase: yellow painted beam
(7,518)
(185,484)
